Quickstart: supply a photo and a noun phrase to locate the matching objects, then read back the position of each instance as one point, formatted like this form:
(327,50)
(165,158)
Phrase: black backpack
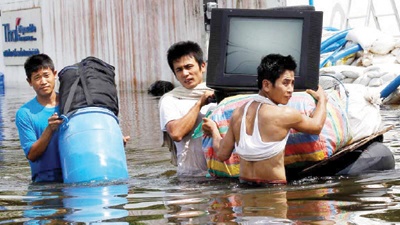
(88,83)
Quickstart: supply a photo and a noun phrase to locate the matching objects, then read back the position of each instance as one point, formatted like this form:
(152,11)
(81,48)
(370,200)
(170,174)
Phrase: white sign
(22,35)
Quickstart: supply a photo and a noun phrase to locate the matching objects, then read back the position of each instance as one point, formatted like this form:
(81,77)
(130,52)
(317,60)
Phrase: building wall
(132,35)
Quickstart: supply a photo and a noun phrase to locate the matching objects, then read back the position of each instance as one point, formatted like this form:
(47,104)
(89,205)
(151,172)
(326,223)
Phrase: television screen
(251,39)
(239,38)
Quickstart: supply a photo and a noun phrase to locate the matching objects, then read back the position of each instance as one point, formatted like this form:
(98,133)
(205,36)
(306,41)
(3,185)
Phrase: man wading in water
(259,129)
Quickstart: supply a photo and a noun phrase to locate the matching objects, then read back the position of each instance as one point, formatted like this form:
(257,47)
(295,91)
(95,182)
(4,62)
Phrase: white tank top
(251,147)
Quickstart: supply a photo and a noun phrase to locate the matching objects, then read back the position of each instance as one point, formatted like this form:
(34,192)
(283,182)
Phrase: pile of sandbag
(371,76)
(378,47)
(375,66)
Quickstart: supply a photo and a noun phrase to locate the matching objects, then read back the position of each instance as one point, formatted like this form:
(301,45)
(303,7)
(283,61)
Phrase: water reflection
(75,203)
(99,203)
(251,206)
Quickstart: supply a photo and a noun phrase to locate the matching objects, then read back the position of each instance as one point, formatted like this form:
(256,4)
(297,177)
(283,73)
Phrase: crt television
(239,38)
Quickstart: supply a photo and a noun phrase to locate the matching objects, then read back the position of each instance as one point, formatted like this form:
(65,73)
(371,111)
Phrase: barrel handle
(65,119)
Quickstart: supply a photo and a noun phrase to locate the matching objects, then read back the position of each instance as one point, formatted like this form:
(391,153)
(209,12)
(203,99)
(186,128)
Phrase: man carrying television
(183,108)
(259,129)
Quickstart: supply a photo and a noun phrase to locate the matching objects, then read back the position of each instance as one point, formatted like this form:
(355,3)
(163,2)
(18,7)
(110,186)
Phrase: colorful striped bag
(301,148)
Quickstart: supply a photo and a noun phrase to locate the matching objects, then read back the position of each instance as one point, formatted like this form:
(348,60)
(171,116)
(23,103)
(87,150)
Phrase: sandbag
(90,82)
(363,111)
(301,148)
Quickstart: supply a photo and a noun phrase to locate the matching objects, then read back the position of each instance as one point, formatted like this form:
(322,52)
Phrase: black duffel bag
(90,82)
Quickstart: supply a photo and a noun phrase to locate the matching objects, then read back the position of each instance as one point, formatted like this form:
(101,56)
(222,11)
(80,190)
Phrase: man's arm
(179,128)
(223,147)
(39,147)
(210,128)
(226,145)
(314,123)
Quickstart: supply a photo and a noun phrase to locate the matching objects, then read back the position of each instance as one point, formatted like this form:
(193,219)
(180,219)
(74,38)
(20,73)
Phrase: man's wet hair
(184,48)
(36,62)
(272,66)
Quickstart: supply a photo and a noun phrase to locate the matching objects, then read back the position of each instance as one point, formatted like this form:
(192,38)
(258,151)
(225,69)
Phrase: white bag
(363,110)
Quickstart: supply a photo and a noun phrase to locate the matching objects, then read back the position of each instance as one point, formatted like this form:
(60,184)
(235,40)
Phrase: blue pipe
(327,59)
(336,45)
(346,52)
(311,2)
(331,29)
(333,38)
(392,86)
(340,54)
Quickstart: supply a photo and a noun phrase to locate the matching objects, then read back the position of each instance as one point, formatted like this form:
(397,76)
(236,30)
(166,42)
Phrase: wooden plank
(346,149)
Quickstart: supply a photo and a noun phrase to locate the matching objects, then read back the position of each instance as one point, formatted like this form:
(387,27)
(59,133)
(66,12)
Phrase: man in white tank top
(259,129)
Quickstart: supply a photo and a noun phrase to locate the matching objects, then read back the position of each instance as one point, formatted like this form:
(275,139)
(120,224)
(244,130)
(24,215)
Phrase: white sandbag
(352,71)
(363,80)
(375,82)
(339,76)
(346,70)
(348,80)
(398,58)
(373,73)
(395,51)
(351,74)
(386,67)
(371,68)
(380,59)
(388,77)
(383,45)
(327,70)
(327,82)
(364,36)
(363,110)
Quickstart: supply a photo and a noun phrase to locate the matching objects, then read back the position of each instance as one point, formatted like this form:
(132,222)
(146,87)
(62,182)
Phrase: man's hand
(319,95)
(205,98)
(209,127)
(54,122)
(126,139)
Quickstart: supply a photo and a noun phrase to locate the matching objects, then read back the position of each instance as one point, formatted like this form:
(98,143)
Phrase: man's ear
(266,84)
(203,67)
(55,73)
(29,81)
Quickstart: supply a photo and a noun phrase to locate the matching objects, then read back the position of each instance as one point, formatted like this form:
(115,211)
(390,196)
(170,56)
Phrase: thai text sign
(22,35)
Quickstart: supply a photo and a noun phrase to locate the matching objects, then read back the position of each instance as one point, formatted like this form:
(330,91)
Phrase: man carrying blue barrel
(38,121)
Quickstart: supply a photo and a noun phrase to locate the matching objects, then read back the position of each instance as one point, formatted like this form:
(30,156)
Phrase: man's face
(43,81)
(188,72)
(282,91)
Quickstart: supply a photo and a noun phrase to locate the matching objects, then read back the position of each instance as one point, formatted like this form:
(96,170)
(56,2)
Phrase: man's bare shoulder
(283,113)
(237,113)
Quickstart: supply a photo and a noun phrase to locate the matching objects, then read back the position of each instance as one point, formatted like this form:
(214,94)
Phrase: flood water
(154,195)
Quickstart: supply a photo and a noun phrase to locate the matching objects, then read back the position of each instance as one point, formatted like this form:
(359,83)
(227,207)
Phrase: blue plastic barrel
(91,146)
